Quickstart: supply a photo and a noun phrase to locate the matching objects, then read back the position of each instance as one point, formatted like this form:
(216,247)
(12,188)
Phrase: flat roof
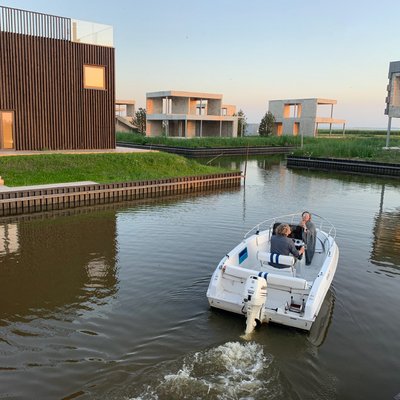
(124,102)
(178,93)
(317,99)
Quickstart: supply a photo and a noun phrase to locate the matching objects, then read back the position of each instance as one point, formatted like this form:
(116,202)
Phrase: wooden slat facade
(41,81)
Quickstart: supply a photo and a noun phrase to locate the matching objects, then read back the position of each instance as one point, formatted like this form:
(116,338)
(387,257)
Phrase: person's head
(283,230)
(306,216)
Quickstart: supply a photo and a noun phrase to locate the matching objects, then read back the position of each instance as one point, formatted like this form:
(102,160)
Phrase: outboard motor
(255,293)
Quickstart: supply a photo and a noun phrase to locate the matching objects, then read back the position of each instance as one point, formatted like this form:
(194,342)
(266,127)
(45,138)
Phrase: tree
(139,120)
(267,124)
(242,123)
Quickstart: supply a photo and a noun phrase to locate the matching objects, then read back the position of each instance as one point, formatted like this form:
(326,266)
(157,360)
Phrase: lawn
(101,168)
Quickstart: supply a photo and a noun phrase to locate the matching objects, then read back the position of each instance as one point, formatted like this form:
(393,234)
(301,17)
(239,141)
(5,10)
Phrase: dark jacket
(284,246)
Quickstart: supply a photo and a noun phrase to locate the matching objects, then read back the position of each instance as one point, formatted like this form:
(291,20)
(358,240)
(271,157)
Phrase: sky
(250,51)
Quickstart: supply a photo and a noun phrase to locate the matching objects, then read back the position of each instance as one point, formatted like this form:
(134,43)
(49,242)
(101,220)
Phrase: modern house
(301,116)
(392,109)
(57,87)
(189,114)
(124,115)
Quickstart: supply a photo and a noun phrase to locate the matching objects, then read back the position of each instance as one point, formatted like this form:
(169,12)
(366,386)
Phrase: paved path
(34,152)
(4,188)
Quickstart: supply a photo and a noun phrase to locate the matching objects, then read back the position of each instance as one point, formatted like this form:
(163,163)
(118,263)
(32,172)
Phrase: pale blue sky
(250,51)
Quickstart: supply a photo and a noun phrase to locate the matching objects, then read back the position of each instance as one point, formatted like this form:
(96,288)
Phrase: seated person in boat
(309,235)
(282,245)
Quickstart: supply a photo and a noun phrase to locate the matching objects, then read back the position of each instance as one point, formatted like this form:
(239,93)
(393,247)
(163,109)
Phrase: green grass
(361,148)
(210,142)
(363,145)
(358,133)
(101,168)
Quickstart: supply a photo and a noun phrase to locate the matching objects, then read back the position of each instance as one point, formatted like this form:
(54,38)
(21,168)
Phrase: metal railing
(34,24)
(37,24)
(293,219)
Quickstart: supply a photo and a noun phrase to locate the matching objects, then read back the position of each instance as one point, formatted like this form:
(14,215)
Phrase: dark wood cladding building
(56,92)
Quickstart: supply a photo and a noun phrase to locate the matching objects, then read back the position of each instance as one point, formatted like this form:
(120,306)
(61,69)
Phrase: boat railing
(320,223)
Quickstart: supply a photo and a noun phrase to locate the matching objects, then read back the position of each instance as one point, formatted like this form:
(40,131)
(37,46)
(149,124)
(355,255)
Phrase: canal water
(108,302)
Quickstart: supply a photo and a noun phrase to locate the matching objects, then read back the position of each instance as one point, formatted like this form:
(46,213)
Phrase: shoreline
(374,168)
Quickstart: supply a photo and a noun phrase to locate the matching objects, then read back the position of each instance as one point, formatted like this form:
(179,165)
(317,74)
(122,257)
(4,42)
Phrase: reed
(210,142)
(351,148)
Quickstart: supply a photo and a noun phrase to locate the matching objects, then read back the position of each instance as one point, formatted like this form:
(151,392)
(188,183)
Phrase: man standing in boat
(282,245)
(309,235)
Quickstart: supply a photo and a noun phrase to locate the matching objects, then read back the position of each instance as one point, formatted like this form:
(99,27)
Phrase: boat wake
(231,371)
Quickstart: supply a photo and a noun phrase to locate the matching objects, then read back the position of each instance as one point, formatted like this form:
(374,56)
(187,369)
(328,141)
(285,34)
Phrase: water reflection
(47,264)
(8,239)
(386,239)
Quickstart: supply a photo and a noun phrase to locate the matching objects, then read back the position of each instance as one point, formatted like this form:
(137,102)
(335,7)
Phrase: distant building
(189,114)
(56,82)
(124,115)
(251,129)
(125,108)
(393,96)
(300,116)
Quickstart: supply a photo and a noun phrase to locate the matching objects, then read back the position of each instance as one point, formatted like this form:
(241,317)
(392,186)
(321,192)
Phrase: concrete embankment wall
(14,202)
(353,166)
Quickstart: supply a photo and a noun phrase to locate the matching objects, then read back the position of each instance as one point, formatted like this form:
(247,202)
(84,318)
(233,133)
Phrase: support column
(201,121)
(388,131)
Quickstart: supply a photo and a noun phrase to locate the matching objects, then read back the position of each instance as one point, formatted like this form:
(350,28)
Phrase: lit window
(94,77)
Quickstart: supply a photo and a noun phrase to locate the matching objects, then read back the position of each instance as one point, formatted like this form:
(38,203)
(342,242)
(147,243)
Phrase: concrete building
(125,108)
(189,114)
(56,82)
(393,96)
(300,116)
(124,114)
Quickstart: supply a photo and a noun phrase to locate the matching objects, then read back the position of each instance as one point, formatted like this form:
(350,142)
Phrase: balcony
(31,23)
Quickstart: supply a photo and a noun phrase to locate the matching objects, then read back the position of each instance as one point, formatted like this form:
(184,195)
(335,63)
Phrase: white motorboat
(245,283)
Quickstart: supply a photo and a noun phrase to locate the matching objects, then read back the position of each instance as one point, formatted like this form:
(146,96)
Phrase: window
(94,77)
(6,130)
(292,111)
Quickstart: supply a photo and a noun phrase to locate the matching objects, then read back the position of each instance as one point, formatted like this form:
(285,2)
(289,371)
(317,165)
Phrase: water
(109,302)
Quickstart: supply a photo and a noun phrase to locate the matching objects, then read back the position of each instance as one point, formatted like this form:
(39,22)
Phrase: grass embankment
(357,132)
(362,145)
(356,148)
(211,142)
(101,168)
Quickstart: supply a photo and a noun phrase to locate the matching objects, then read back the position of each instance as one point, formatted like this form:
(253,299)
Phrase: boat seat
(239,272)
(272,279)
(266,257)
(287,281)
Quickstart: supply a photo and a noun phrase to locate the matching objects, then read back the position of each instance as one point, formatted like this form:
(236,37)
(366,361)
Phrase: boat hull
(291,297)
